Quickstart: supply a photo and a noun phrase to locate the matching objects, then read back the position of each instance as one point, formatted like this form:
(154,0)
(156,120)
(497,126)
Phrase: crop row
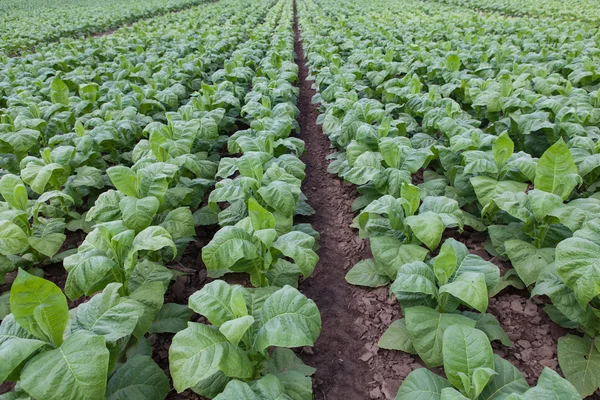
(469,125)
(28,23)
(572,10)
(160,174)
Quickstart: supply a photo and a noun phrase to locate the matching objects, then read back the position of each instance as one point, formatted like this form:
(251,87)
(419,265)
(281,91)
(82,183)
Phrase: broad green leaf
(508,379)
(487,188)
(40,307)
(397,337)
(528,260)
(579,360)
(77,370)
(48,244)
(228,246)
(452,253)
(171,318)
(235,329)
(502,149)
(427,326)
(124,179)
(390,254)
(219,302)
(180,223)
(366,273)
(556,171)
(422,384)
(200,351)
(139,378)
(427,227)
(261,218)
(542,203)
(299,247)
(13,191)
(551,386)
(108,314)
(466,350)
(59,92)
(452,394)
(577,262)
(16,346)
(283,360)
(12,239)
(151,296)
(268,387)
(415,277)
(138,213)
(288,319)
(470,289)
(488,324)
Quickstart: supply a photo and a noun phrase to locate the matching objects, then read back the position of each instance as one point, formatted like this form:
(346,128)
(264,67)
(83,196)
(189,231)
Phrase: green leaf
(77,370)
(577,262)
(228,246)
(427,227)
(139,378)
(260,217)
(124,179)
(171,318)
(151,296)
(502,149)
(551,386)
(508,379)
(108,314)
(542,203)
(427,326)
(200,351)
(16,346)
(138,213)
(40,307)
(556,171)
(59,92)
(288,319)
(366,273)
(488,324)
(390,254)
(283,360)
(487,188)
(422,384)
(13,191)
(415,277)
(12,239)
(267,388)
(235,329)
(466,350)
(48,244)
(470,289)
(219,302)
(528,260)
(299,247)
(452,394)
(579,360)
(397,337)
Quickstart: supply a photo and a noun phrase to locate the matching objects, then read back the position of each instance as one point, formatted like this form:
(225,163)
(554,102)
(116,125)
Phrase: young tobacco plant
(430,295)
(55,357)
(474,372)
(254,245)
(231,355)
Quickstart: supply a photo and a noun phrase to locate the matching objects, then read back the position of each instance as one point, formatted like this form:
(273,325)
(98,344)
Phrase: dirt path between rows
(341,374)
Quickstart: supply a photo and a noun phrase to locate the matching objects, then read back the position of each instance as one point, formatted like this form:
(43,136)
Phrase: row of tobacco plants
(448,120)
(138,141)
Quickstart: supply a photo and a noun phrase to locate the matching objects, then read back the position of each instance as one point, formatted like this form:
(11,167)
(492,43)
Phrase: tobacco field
(299,199)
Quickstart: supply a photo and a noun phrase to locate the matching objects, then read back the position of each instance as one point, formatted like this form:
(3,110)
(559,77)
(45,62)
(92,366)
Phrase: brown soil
(348,363)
